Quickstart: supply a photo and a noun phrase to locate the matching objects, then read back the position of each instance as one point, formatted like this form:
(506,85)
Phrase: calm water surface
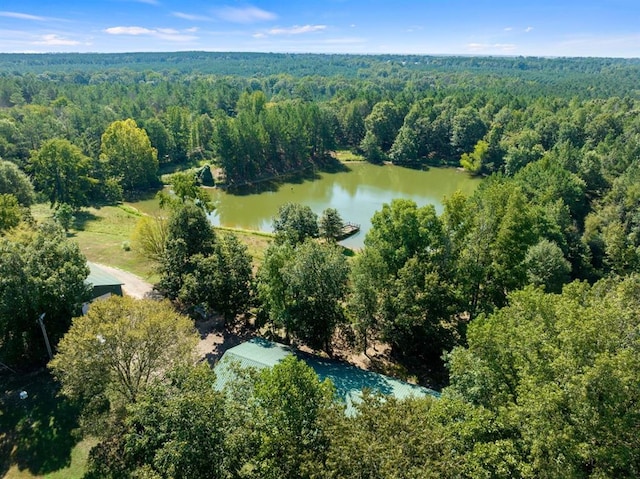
(357,194)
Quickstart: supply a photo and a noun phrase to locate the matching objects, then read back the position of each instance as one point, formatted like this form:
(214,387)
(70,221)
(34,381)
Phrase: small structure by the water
(348,229)
(349,381)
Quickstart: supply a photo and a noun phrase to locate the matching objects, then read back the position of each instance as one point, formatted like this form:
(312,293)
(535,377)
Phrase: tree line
(482,112)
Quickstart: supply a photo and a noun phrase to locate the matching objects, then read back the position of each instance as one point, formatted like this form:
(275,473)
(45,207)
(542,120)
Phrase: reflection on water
(357,194)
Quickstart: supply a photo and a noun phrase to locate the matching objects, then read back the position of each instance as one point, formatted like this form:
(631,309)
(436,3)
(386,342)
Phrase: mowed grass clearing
(39,435)
(348,155)
(105,233)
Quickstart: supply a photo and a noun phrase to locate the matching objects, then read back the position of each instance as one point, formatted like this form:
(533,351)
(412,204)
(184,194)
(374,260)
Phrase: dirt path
(132,285)
(215,339)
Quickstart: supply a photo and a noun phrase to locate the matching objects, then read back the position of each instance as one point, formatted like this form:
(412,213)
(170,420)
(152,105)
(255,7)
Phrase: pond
(357,193)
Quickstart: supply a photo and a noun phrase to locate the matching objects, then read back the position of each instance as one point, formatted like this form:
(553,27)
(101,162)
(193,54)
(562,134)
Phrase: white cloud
(508,29)
(129,31)
(190,17)
(245,15)
(296,30)
(55,40)
(528,29)
(162,33)
(148,2)
(22,16)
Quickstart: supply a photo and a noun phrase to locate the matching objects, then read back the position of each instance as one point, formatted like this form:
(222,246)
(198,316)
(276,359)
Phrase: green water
(356,194)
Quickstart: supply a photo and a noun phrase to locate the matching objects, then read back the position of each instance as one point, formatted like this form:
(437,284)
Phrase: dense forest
(520,301)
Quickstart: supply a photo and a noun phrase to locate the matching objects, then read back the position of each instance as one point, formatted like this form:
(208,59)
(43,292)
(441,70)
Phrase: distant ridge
(302,64)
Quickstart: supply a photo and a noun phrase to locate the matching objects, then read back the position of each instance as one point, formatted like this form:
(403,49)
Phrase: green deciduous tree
(370,146)
(184,186)
(176,429)
(558,371)
(402,439)
(492,236)
(41,272)
(302,290)
(221,281)
(546,181)
(368,274)
(10,212)
(467,128)
(126,153)
(521,149)
(15,182)
(612,230)
(472,162)
(61,172)
(402,284)
(294,223)
(330,224)
(188,233)
(150,237)
(291,399)
(421,136)
(279,411)
(383,123)
(121,347)
(63,215)
(401,229)
(546,266)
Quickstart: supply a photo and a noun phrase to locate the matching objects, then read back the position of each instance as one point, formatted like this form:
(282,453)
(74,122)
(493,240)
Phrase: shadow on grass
(81,218)
(39,431)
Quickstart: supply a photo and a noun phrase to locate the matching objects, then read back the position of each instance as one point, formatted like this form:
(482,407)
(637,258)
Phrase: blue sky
(463,27)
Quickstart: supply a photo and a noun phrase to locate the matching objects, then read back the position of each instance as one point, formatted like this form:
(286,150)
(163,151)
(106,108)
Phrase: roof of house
(99,277)
(348,380)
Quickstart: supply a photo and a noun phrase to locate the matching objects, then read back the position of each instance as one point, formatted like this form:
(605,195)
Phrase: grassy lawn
(102,232)
(257,242)
(348,155)
(39,435)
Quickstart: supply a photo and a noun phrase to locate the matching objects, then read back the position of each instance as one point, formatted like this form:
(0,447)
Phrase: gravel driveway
(132,285)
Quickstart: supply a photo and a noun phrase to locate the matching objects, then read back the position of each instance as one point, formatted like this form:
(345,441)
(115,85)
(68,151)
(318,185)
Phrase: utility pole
(44,333)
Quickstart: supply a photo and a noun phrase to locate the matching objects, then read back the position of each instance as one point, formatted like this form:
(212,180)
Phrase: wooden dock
(348,229)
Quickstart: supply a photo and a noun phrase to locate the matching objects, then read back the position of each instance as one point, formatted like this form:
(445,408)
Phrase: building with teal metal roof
(102,283)
(349,381)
